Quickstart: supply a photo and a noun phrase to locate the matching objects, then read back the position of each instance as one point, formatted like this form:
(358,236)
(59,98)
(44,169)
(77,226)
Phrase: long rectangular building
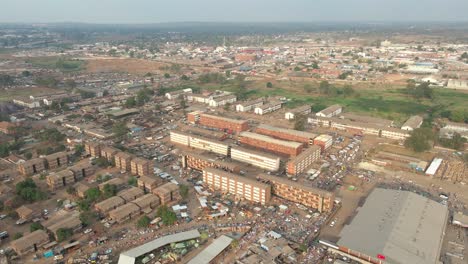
(287,134)
(258,159)
(199,162)
(199,142)
(297,193)
(271,144)
(223,123)
(300,163)
(244,187)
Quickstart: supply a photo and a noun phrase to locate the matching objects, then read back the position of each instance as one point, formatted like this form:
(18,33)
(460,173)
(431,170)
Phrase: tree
(183,104)
(143,222)
(64,234)
(184,78)
(4,150)
(93,194)
(420,139)
(6,80)
(167,75)
(458,116)
(324,87)
(28,191)
(71,190)
(315,65)
(120,129)
(297,68)
(28,155)
(86,217)
(70,83)
(348,90)
(109,190)
(132,181)
(17,236)
(184,191)
(457,142)
(130,102)
(308,88)
(269,85)
(300,122)
(79,149)
(102,162)
(35,226)
(168,217)
(420,91)
(26,73)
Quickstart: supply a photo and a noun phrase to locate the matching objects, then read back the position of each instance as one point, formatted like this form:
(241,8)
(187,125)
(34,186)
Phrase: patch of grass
(63,64)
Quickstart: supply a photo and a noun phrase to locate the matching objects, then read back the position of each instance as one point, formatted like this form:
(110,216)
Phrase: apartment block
(194,117)
(271,144)
(323,141)
(255,158)
(298,193)
(109,204)
(179,137)
(223,123)
(286,134)
(222,100)
(93,149)
(122,161)
(56,160)
(168,193)
(82,170)
(130,194)
(249,105)
(302,110)
(267,108)
(243,187)
(209,145)
(125,212)
(148,183)
(330,111)
(31,167)
(141,167)
(303,161)
(109,153)
(147,202)
(60,179)
(199,162)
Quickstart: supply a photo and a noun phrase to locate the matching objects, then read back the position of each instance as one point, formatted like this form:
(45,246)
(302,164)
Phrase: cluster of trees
(120,129)
(456,142)
(142,97)
(6,80)
(64,234)
(300,122)
(87,94)
(345,75)
(28,191)
(6,148)
(50,134)
(184,191)
(325,88)
(212,78)
(421,139)
(47,81)
(168,217)
(93,195)
(464,57)
(143,222)
(49,150)
(456,115)
(421,91)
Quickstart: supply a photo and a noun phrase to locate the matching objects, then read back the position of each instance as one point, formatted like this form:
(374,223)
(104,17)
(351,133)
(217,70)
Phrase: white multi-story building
(261,160)
(209,145)
(330,111)
(249,105)
(267,108)
(179,137)
(222,100)
(242,187)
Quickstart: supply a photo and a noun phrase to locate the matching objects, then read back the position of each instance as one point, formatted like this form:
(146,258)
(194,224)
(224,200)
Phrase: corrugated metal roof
(211,251)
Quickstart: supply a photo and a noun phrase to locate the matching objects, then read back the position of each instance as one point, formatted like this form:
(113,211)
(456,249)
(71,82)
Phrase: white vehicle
(87,231)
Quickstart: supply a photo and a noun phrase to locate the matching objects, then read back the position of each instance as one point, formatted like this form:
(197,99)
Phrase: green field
(63,64)
(391,103)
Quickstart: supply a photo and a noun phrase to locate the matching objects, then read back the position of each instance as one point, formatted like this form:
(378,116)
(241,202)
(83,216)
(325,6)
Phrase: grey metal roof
(403,226)
(211,251)
(128,257)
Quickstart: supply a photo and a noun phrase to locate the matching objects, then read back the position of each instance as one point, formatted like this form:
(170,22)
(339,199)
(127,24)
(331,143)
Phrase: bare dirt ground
(135,66)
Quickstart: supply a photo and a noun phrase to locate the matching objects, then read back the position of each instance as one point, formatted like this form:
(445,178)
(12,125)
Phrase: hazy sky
(154,11)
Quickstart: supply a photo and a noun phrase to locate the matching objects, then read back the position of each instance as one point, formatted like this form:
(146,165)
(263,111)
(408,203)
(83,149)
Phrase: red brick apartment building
(286,134)
(271,144)
(222,123)
(297,193)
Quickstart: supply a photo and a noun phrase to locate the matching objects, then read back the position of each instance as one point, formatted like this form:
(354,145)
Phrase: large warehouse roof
(129,257)
(211,251)
(401,226)
(271,140)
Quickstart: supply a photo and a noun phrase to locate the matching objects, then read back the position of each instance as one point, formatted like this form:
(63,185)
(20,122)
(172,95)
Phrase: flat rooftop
(289,131)
(129,257)
(212,250)
(271,140)
(226,119)
(402,226)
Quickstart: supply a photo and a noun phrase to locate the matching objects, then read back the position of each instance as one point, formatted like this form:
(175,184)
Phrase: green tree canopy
(143,222)
(168,217)
(420,139)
